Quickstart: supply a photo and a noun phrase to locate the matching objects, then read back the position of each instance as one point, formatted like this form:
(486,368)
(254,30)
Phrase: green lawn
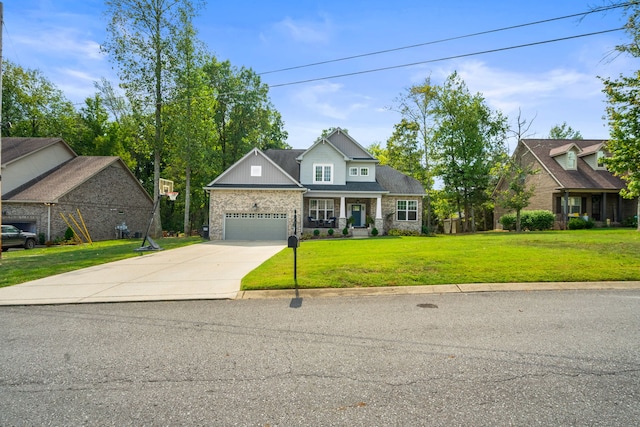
(581,255)
(18,266)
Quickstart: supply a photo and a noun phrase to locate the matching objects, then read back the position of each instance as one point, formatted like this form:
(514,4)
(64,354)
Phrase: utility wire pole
(1,68)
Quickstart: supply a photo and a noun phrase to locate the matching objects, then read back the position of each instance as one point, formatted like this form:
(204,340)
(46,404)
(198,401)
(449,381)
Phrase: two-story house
(571,180)
(335,183)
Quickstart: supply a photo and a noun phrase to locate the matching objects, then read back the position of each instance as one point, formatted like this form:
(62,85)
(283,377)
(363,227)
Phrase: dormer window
(353,171)
(572,160)
(323,174)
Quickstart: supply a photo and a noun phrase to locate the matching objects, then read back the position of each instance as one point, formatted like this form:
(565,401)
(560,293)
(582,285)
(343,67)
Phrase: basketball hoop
(172,195)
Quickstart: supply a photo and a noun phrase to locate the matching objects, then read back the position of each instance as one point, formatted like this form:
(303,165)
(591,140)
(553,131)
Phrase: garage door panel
(254,226)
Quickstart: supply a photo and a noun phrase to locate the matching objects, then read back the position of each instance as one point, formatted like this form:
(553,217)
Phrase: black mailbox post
(293,242)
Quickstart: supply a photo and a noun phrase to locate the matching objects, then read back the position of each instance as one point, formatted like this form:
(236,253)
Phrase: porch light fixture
(255,206)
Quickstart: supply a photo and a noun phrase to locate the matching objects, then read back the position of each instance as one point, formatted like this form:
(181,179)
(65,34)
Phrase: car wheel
(30,244)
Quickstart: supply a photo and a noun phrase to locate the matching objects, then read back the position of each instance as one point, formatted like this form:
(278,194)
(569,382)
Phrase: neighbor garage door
(255,226)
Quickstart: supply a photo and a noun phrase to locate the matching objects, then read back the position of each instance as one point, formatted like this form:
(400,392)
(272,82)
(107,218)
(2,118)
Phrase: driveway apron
(211,270)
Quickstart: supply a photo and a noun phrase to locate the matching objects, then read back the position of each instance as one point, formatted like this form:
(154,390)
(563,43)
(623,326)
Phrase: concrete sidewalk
(211,270)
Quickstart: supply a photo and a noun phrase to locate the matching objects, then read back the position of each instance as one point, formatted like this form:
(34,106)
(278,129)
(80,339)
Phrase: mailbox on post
(293,242)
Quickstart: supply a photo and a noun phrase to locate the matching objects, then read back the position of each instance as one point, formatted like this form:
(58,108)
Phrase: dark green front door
(356,213)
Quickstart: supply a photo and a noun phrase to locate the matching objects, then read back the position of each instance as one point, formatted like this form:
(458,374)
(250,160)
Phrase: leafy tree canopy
(564,131)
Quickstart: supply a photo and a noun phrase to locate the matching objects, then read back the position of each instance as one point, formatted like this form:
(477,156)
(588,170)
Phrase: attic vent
(256,170)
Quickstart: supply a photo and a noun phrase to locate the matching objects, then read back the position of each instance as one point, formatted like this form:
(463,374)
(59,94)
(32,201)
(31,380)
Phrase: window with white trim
(321,209)
(600,156)
(572,160)
(364,171)
(353,171)
(575,206)
(322,174)
(407,210)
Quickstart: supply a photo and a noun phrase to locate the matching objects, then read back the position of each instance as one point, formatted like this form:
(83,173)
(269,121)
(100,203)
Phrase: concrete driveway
(211,270)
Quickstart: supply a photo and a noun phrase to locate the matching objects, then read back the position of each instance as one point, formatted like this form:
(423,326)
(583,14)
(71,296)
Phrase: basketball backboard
(166,186)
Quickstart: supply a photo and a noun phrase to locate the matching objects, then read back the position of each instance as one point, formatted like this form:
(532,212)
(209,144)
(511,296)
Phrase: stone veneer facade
(242,201)
(389,216)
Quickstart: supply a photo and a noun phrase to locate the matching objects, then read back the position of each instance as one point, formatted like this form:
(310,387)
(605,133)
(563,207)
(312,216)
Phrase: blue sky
(550,83)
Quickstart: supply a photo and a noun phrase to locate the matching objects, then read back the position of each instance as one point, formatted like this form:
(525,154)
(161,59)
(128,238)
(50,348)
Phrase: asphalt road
(516,358)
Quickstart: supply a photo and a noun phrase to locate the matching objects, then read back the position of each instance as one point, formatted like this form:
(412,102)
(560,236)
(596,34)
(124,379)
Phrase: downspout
(48,222)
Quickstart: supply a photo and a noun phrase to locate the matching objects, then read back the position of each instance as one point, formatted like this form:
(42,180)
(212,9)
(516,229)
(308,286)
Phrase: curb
(437,289)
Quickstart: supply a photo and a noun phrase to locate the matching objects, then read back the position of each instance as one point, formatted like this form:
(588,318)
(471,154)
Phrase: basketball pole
(1,67)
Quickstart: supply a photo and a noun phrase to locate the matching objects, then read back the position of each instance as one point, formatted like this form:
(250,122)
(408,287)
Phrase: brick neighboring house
(44,177)
(334,183)
(571,181)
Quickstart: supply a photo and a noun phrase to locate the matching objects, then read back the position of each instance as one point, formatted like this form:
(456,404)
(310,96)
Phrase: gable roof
(17,148)
(344,144)
(280,179)
(584,177)
(51,186)
(349,146)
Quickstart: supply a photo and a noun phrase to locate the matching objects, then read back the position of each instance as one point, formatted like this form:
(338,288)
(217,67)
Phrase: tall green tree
(623,114)
(142,39)
(404,151)
(416,106)
(242,115)
(188,116)
(34,106)
(470,138)
(564,131)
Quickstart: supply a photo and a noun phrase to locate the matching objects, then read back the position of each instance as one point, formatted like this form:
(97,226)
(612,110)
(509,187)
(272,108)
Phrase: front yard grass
(18,266)
(551,256)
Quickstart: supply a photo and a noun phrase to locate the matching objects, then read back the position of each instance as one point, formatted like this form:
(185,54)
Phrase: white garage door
(255,226)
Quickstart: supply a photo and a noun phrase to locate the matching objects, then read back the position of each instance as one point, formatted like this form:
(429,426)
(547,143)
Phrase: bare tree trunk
(187,201)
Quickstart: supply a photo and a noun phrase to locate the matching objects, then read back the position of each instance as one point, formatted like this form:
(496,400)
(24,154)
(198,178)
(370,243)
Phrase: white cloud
(306,31)
(329,100)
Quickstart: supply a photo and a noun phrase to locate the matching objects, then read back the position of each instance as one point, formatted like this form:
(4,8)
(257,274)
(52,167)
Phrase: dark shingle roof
(286,159)
(584,177)
(388,179)
(395,182)
(15,148)
(352,187)
(49,187)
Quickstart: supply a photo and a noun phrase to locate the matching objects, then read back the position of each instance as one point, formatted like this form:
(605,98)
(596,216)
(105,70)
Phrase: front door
(356,213)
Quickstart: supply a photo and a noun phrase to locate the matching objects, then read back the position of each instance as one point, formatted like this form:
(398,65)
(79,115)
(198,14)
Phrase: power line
(597,10)
(446,58)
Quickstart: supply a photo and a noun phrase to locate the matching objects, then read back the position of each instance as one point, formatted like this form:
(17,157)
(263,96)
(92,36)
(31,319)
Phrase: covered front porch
(337,211)
(605,208)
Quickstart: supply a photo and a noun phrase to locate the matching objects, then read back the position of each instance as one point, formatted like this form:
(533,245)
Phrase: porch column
(619,219)
(603,208)
(565,210)
(379,207)
(342,220)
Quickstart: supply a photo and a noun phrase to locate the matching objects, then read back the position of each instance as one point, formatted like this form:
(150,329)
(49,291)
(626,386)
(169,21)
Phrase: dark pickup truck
(13,237)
